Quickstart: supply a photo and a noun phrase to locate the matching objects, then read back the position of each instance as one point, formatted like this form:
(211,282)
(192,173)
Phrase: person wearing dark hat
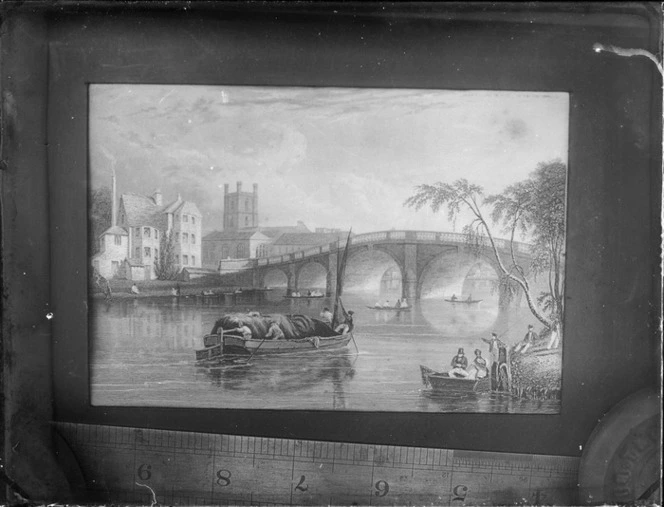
(459,364)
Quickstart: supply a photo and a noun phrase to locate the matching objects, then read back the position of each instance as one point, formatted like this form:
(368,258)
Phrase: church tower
(240,208)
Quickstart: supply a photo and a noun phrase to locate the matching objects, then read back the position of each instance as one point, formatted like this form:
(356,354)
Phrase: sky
(330,157)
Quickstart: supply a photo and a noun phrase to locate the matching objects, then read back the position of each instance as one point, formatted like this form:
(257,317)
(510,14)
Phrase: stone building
(130,248)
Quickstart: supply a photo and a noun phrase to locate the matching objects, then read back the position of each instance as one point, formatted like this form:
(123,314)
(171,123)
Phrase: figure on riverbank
(527,341)
(459,364)
(134,289)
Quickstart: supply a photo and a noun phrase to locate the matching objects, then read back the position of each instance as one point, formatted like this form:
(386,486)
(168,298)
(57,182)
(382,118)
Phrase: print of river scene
(315,248)
(143,355)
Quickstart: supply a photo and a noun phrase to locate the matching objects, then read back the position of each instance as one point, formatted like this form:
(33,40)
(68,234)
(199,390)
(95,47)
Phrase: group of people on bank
(478,368)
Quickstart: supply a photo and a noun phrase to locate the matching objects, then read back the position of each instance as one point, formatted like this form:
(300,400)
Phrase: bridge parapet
(383,236)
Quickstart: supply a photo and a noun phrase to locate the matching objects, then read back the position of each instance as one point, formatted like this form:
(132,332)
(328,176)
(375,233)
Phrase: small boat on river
(442,382)
(390,308)
(305,297)
(463,301)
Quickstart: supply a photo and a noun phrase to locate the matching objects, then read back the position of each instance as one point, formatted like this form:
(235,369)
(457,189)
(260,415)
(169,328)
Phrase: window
(146,232)
(137,252)
(156,234)
(185,260)
(193,239)
(185,237)
(225,252)
(177,218)
(193,260)
(193,220)
(246,220)
(185,218)
(177,237)
(118,239)
(156,255)
(246,205)
(147,251)
(240,251)
(137,232)
(122,218)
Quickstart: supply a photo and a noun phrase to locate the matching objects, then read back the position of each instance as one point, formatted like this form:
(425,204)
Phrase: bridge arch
(366,268)
(312,275)
(274,277)
(460,274)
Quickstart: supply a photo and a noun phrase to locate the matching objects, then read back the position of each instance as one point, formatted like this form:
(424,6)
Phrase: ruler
(147,466)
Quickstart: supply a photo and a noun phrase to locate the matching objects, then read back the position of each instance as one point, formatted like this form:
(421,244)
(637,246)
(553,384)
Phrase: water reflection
(285,374)
(142,354)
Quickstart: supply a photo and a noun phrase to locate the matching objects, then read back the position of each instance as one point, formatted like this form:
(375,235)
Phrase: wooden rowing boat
(442,382)
(305,297)
(234,345)
(463,301)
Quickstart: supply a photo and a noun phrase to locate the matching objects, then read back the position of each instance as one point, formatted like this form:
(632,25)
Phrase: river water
(142,353)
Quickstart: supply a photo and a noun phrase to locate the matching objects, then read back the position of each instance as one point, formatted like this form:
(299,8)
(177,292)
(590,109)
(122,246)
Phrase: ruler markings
(188,463)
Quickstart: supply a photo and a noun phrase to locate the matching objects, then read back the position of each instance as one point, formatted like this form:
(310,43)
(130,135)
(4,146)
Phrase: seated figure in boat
(326,316)
(453,298)
(243,330)
(347,326)
(274,332)
(404,303)
(459,364)
(378,305)
(478,368)
(470,298)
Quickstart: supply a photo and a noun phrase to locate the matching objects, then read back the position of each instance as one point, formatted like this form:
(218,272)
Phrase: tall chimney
(239,187)
(255,188)
(114,203)
(157,197)
(225,188)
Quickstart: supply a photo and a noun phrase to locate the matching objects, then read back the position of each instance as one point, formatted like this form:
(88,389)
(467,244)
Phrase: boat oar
(254,352)
(357,351)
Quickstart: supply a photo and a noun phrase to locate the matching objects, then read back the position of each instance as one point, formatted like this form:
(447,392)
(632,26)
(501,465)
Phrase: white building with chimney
(130,248)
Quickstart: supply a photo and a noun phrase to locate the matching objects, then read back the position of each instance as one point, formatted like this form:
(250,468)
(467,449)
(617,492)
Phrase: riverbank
(537,374)
(121,289)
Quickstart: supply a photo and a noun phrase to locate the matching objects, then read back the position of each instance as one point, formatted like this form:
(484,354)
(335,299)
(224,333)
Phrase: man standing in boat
(459,364)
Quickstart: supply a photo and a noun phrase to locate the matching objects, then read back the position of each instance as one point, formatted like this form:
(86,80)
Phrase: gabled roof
(309,239)
(115,230)
(141,210)
(234,235)
(180,206)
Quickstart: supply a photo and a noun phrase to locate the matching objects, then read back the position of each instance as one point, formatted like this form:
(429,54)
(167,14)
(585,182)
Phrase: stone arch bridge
(415,254)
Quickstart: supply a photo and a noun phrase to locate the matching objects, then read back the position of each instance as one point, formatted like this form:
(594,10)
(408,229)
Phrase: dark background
(50,54)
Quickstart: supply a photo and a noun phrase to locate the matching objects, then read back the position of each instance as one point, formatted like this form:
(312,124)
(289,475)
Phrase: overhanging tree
(534,207)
